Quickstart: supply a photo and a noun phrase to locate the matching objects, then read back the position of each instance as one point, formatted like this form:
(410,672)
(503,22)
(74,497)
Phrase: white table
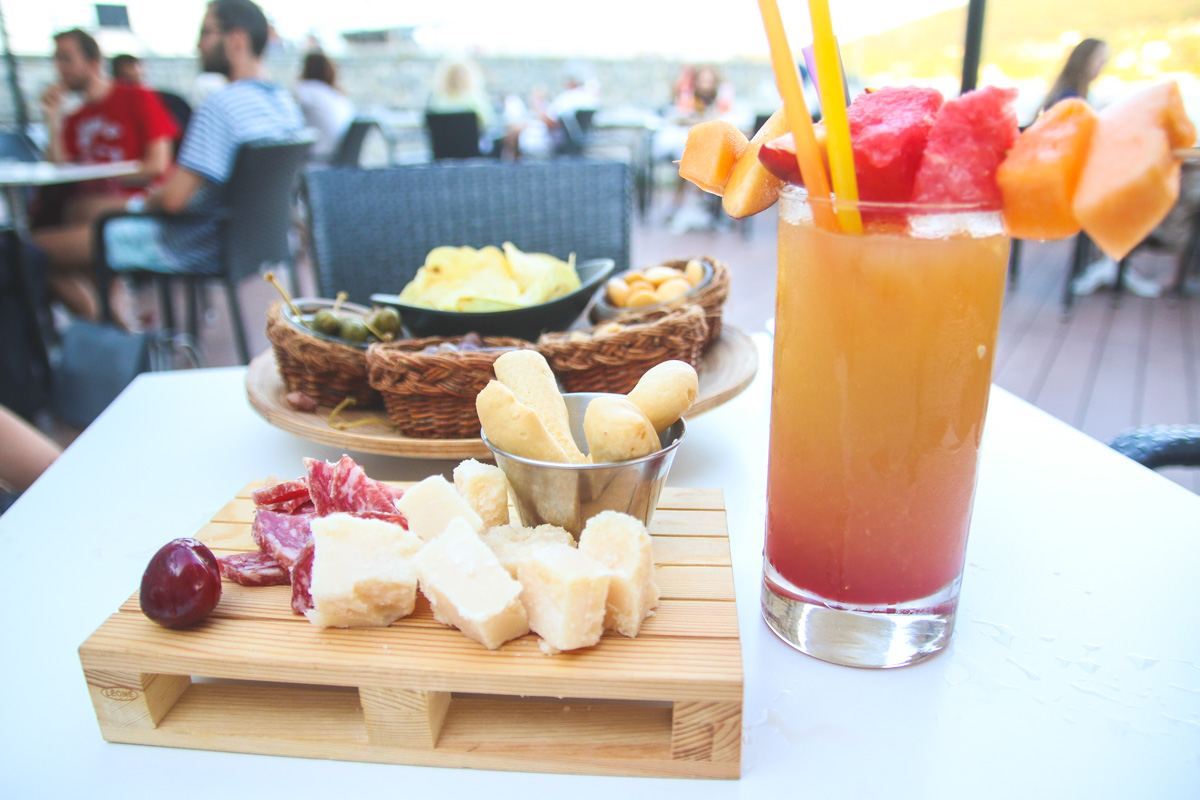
(1074,671)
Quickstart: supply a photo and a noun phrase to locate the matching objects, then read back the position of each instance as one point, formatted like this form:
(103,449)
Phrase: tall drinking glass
(883,361)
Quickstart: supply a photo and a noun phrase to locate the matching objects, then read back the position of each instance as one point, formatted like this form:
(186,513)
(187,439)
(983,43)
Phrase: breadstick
(514,427)
(532,382)
(665,392)
(617,430)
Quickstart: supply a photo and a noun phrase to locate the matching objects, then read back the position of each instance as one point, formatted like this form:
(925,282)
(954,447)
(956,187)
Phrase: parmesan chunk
(362,575)
(469,589)
(485,489)
(431,504)
(621,543)
(564,591)
(512,543)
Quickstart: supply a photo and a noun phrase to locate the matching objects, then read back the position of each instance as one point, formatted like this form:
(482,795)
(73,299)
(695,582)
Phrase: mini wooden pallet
(256,678)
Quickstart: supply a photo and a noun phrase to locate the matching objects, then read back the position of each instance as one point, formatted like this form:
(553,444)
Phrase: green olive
(326,322)
(386,320)
(352,330)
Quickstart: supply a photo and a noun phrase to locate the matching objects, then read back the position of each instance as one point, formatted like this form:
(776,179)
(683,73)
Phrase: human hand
(52,100)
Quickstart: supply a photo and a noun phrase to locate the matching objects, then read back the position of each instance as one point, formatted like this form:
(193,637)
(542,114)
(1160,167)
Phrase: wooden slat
(430,659)
(675,497)
(691,551)
(688,522)
(477,733)
(239,509)
(715,619)
(696,583)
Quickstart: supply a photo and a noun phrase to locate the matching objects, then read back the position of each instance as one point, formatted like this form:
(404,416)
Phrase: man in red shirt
(117,122)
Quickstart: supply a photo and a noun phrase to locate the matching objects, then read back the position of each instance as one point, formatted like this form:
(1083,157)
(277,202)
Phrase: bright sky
(621,28)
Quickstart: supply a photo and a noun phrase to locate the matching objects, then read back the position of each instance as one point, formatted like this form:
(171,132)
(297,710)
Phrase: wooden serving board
(256,678)
(725,370)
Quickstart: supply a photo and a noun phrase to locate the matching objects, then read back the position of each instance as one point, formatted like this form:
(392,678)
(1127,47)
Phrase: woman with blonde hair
(458,86)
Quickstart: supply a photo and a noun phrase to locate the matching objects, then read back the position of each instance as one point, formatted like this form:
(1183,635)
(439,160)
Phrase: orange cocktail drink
(884,344)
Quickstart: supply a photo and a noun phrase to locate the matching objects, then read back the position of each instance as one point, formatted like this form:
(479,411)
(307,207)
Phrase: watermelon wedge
(970,137)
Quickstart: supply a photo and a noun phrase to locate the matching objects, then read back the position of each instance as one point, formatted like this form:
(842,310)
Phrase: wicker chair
(1157,446)
(371,229)
(453,134)
(254,232)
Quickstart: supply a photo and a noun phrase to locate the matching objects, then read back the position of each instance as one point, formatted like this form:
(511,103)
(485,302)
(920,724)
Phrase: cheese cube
(431,504)
(512,543)
(362,574)
(621,543)
(564,591)
(485,489)
(469,589)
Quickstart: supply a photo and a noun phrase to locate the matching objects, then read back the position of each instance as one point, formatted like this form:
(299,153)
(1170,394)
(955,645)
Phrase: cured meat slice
(302,580)
(253,569)
(282,536)
(352,490)
(286,496)
(320,480)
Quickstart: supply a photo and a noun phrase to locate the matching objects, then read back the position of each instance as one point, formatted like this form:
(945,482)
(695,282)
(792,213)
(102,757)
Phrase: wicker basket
(432,395)
(711,298)
(325,370)
(615,362)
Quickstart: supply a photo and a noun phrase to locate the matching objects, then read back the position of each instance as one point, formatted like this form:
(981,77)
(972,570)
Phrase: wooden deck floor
(1113,363)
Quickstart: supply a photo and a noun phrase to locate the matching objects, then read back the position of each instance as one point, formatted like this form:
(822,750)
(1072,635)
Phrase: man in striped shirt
(232,39)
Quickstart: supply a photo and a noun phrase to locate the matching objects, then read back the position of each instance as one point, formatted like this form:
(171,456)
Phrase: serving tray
(725,371)
(256,678)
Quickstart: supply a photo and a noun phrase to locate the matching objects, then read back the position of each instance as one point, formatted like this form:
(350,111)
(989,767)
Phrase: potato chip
(489,279)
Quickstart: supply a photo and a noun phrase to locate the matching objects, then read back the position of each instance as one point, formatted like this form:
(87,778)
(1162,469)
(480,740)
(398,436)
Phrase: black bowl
(521,323)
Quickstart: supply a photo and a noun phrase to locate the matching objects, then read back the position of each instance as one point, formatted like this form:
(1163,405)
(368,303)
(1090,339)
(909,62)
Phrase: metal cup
(568,495)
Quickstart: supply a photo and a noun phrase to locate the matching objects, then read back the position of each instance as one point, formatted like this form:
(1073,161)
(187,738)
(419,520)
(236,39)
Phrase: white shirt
(326,110)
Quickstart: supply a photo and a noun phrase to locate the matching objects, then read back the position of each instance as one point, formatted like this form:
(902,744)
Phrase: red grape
(181,585)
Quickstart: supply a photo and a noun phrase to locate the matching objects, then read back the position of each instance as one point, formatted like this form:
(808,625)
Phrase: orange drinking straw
(833,105)
(788,80)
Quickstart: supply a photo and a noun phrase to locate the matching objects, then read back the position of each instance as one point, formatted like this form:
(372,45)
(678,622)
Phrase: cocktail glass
(884,344)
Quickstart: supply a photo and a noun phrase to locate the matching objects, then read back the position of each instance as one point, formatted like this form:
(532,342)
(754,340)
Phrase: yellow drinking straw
(833,106)
(808,155)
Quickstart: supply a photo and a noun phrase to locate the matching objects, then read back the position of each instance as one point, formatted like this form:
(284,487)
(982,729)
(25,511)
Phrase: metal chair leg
(235,315)
(1079,260)
(166,308)
(1014,264)
(193,308)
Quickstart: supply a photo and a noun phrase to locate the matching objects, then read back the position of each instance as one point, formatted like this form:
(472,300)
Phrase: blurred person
(232,38)
(458,86)
(127,69)
(325,108)
(1083,66)
(543,134)
(116,122)
(25,453)
(700,95)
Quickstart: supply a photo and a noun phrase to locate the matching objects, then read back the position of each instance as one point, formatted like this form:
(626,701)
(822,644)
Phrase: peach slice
(1131,179)
(751,187)
(1038,177)
(710,153)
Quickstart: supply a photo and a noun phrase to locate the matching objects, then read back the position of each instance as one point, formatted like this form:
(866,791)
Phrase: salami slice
(282,536)
(352,490)
(320,479)
(302,580)
(286,496)
(253,569)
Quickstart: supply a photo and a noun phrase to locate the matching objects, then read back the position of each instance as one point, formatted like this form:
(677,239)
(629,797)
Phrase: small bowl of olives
(344,323)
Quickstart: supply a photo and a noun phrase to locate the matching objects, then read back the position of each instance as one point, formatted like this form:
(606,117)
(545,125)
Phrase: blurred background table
(1074,670)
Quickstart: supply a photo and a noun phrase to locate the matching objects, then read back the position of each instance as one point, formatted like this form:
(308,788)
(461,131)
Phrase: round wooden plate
(725,371)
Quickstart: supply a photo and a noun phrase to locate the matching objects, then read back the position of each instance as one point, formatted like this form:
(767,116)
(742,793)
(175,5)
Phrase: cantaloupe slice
(751,188)
(1130,180)
(1039,176)
(710,153)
